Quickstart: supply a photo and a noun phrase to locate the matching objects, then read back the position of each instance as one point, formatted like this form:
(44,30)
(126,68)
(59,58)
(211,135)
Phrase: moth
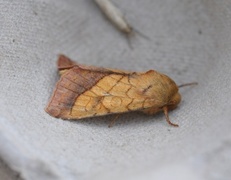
(114,15)
(86,91)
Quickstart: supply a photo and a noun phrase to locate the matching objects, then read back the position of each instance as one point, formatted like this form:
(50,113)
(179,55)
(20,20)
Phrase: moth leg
(165,109)
(113,121)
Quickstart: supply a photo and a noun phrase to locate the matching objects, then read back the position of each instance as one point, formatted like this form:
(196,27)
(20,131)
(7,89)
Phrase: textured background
(189,41)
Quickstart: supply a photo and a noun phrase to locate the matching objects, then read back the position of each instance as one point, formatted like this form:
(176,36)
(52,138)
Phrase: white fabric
(189,41)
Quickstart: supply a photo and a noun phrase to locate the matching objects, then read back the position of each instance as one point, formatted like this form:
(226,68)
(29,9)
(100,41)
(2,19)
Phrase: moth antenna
(132,34)
(113,121)
(140,34)
(188,84)
(165,108)
(128,37)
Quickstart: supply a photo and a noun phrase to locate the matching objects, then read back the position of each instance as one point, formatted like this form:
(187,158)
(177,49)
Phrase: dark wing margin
(65,63)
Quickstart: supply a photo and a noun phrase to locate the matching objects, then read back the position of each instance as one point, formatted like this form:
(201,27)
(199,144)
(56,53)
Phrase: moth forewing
(87,91)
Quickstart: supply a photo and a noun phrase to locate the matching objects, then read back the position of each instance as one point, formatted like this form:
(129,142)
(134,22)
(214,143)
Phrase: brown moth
(87,91)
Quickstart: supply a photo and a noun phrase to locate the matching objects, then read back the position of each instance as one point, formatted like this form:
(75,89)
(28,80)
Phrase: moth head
(176,97)
(169,92)
(174,101)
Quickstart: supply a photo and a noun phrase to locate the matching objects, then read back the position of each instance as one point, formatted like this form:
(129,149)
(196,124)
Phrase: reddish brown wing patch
(64,62)
(71,85)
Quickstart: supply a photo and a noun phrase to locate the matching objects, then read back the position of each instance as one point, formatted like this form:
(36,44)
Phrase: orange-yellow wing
(84,91)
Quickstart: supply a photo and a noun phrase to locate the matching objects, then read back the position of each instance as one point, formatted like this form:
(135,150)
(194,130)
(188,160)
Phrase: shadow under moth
(86,91)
